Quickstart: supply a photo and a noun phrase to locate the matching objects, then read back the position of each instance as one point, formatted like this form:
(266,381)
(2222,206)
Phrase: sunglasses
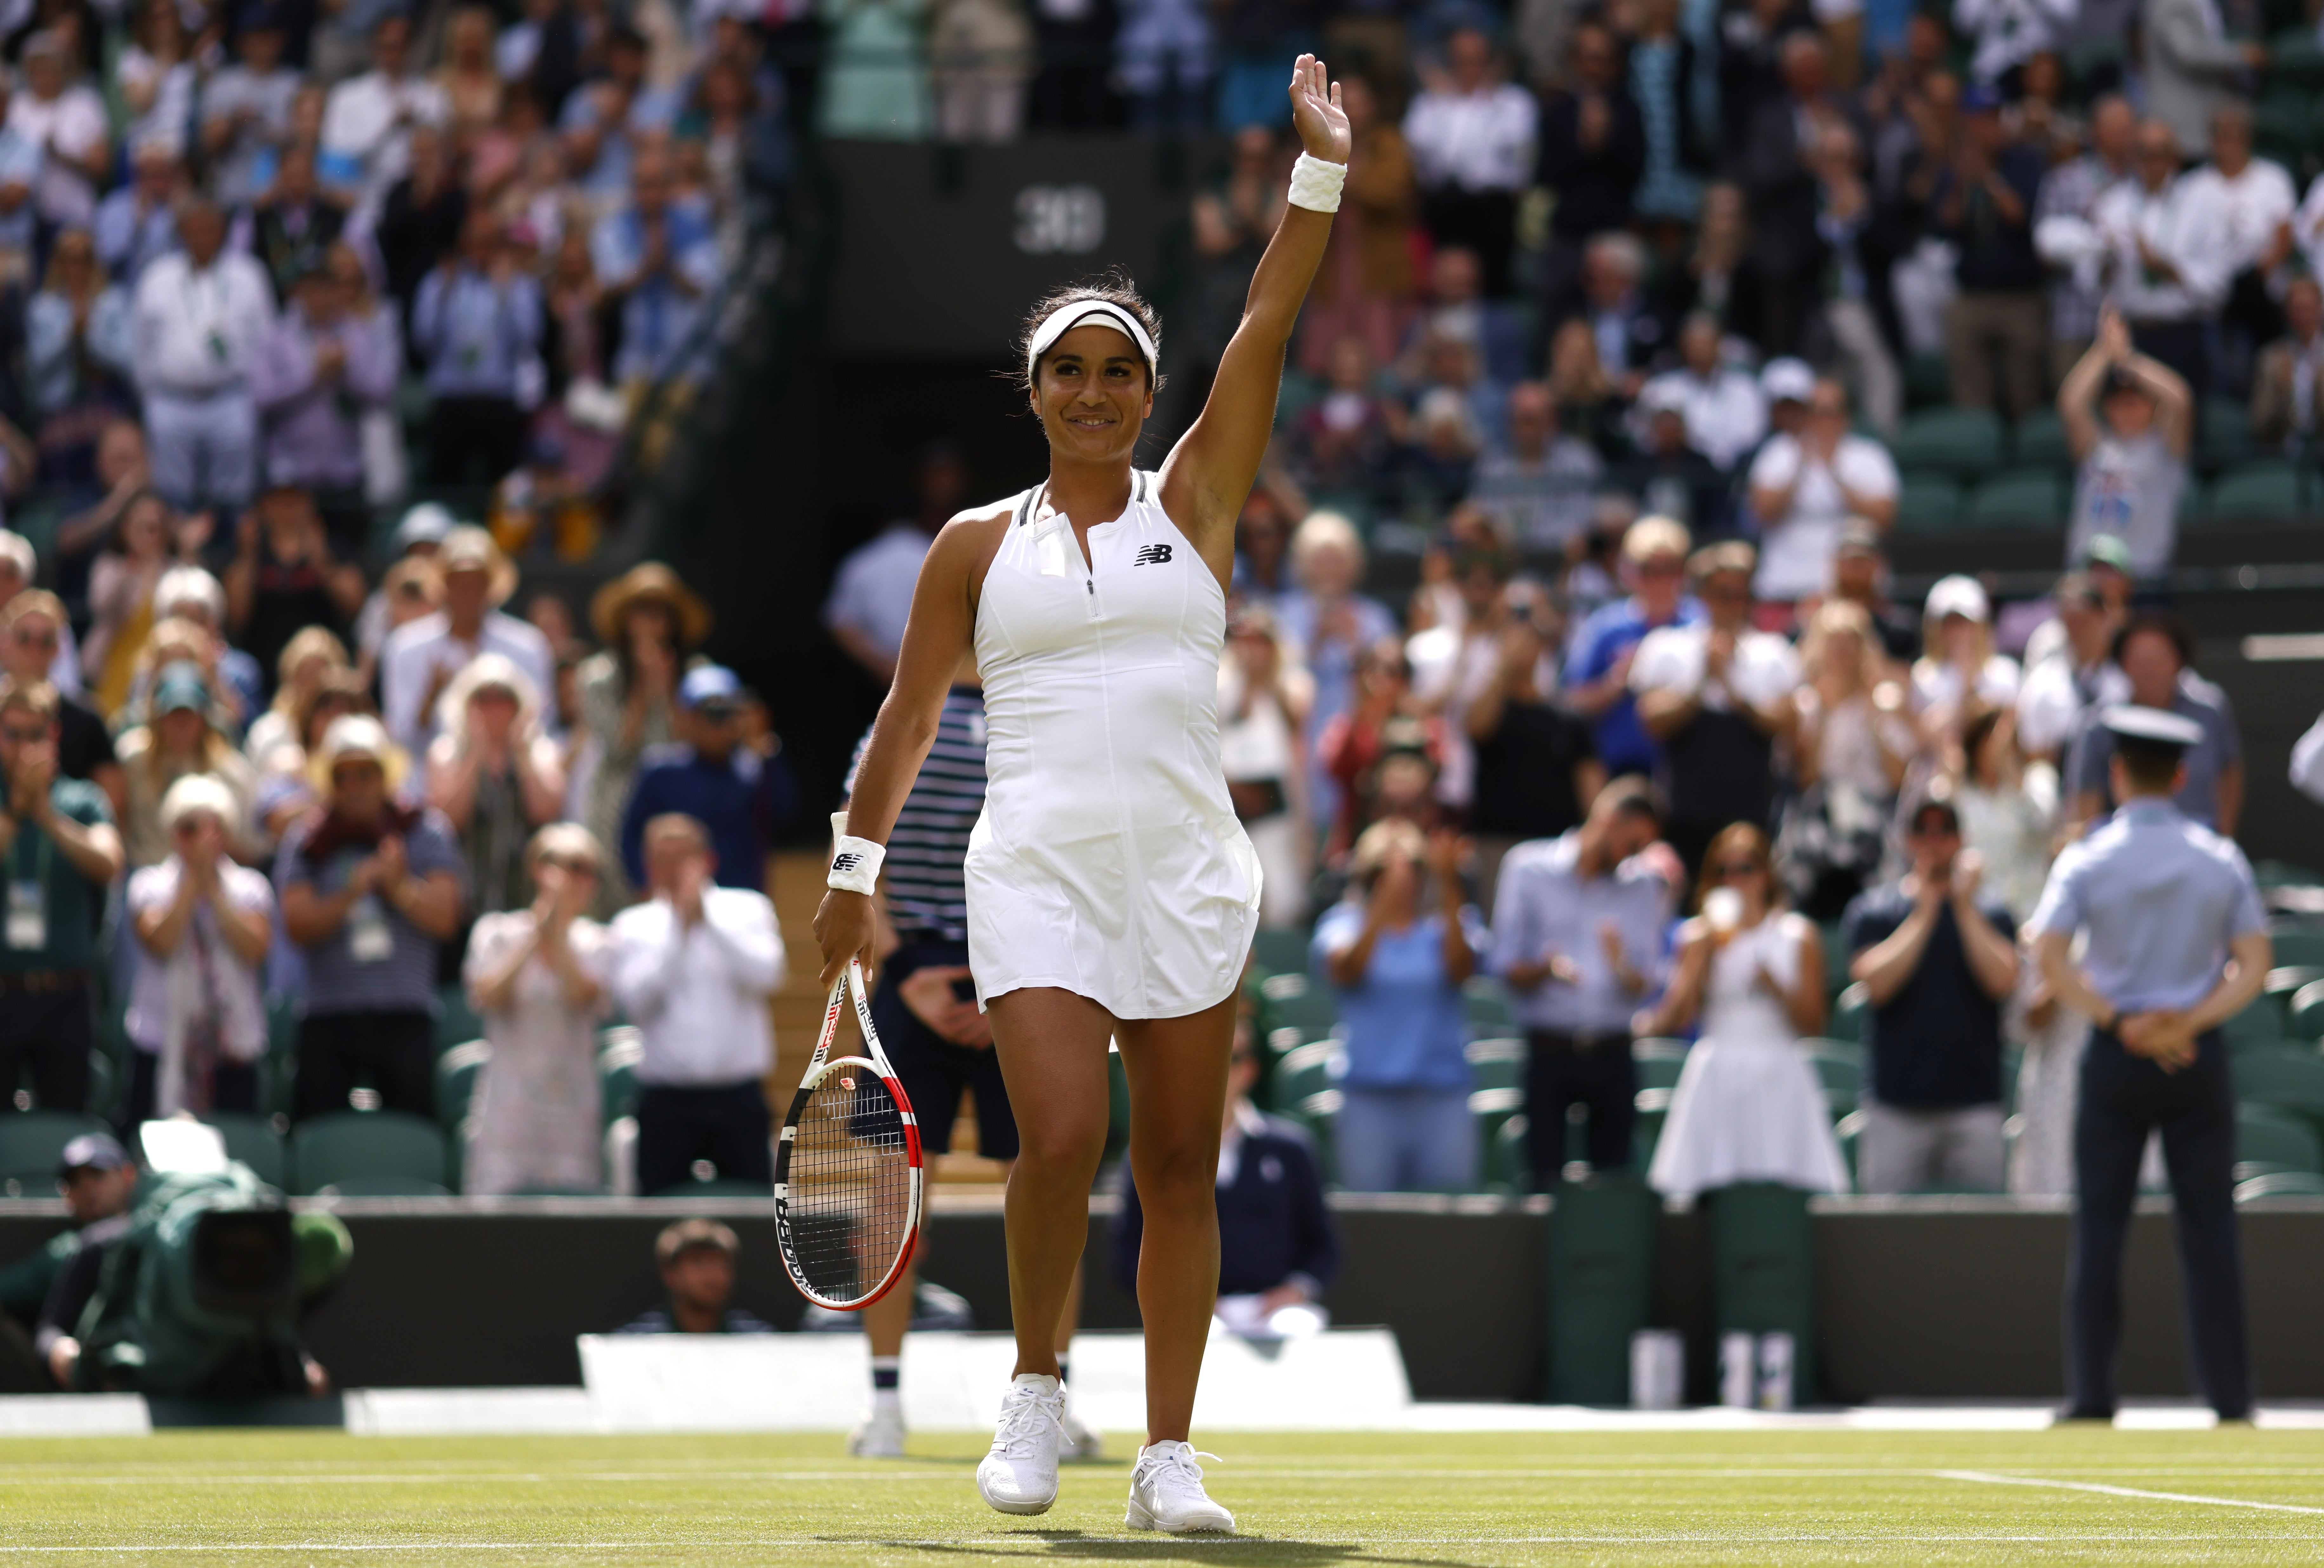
(15,736)
(570,866)
(1727,871)
(33,639)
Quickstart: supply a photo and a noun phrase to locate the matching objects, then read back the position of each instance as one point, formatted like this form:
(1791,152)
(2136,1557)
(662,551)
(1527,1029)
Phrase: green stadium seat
(2282,123)
(1279,952)
(2294,58)
(1928,381)
(1657,1074)
(2284,874)
(455,1020)
(1763,1271)
(1491,1108)
(2298,944)
(1507,1169)
(1601,1285)
(2279,1139)
(1836,957)
(253,1139)
(1301,1074)
(2039,440)
(1965,443)
(2226,438)
(1658,1048)
(278,1070)
(1300,1002)
(383,1187)
(1929,503)
(2025,499)
(30,1142)
(330,1151)
(2280,1184)
(2288,1080)
(619,1049)
(1847,1020)
(2287,980)
(2264,492)
(457,1071)
(1486,1005)
(2258,1028)
(2306,1014)
(1495,1063)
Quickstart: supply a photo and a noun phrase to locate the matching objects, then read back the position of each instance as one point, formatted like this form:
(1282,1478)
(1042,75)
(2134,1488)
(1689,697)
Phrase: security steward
(2178,945)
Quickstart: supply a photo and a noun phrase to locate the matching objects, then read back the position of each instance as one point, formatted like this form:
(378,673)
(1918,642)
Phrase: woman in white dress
(1747,1107)
(539,976)
(1110,892)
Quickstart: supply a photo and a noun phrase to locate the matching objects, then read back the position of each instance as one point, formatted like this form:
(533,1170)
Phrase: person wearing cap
(59,852)
(1598,664)
(872,592)
(740,798)
(1997,339)
(369,887)
(1806,488)
(320,371)
(184,737)
(2175,944)
(1939,958)
(201,314)
(2155,652)
(1787,384)
(196,1015)
(99,1182)
(1671,475)
(245,112)
(696,1260)
(421,658)
(1959,672)
(1716,696)
(693,966)
(2132,453)
(2069,668)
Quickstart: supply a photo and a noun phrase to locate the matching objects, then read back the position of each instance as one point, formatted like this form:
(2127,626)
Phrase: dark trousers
(1597,1074)
(395,1050)
(726,1124)
(2185,346)
(48,1031)
(1483,221)
(233,1086)
(2122,1097)
(482,432)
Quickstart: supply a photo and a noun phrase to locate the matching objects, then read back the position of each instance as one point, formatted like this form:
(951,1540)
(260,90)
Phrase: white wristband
(1315,184)
(856,865)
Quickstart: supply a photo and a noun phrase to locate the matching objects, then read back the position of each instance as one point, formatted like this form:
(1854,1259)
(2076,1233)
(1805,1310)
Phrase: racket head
(848,1180)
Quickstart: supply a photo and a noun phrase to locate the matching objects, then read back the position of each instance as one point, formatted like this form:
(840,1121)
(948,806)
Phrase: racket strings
(850,1186)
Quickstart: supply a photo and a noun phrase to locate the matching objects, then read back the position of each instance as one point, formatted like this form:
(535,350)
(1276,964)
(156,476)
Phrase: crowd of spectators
(285,766)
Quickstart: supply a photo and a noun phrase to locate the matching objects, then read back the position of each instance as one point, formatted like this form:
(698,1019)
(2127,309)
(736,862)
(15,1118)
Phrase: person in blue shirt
(740,798)
(1397,968)
(1598,666)
(2177,944)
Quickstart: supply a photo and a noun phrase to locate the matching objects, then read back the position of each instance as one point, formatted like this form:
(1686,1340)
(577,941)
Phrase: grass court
(1305,1500)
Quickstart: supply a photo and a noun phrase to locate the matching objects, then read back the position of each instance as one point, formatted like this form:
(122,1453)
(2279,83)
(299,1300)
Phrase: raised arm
(938,643)
(1208,475)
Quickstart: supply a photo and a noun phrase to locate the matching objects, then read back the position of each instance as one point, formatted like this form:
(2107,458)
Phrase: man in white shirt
(1726,412)
(422,657)
(67,121)
(694,966)
(2169,259)
(871,593)
(2073,675)
(201,314)
(1472,147)
(368,119)
(2259,200)
(1806,488)
(1717,697)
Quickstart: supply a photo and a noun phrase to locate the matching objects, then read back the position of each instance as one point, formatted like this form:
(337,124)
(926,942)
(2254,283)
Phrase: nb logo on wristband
(1153,555)
(846,862)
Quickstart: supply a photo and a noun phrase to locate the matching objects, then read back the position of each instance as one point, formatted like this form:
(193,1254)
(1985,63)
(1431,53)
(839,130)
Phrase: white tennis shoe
(880,1435)
(1080,1443)
(1165,1493)
(1020,1476)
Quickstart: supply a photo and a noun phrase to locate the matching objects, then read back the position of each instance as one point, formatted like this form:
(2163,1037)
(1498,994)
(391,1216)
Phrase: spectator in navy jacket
(739,796)
(1277,1248)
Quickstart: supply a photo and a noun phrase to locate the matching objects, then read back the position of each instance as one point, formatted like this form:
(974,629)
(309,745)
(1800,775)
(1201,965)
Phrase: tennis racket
(847,1168)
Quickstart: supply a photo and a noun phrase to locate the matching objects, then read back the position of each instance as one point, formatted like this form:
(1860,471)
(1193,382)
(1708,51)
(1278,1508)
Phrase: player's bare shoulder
(963,549)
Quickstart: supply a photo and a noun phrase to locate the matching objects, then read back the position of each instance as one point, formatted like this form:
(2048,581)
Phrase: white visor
(1080,312)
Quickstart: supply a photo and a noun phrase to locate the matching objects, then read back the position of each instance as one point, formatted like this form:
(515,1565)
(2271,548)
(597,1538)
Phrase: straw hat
(648,581)
(470,548)
(357,735)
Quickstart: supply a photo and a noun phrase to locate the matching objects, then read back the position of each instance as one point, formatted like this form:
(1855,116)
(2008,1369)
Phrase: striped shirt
(927,899)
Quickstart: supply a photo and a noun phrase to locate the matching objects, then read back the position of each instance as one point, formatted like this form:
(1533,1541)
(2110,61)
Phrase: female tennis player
(1111,893)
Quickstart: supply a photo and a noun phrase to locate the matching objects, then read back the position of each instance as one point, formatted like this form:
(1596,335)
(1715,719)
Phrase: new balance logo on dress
(1153,555)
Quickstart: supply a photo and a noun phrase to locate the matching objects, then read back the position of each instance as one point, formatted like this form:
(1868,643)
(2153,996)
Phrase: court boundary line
(1990,1478)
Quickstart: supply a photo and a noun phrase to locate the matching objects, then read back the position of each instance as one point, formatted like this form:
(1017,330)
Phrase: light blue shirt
(477,336)
(1406,1027)
(1544,905)
(21,161)
(2161,897)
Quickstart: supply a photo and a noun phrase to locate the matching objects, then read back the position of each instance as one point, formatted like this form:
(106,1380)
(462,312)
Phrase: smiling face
(1093,394)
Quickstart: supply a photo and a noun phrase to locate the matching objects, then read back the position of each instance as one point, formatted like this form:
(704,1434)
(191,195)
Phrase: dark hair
(1751,838)
(2163,624)
(1942,805)
(1115,288)
(2152,765)
(1631,795)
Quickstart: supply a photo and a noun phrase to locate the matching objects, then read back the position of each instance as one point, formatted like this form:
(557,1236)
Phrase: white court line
(1006,1546)
(1988,1477)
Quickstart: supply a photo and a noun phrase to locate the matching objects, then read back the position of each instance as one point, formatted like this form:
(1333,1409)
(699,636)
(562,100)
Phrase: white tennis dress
(1107,861)
(1747,1107)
